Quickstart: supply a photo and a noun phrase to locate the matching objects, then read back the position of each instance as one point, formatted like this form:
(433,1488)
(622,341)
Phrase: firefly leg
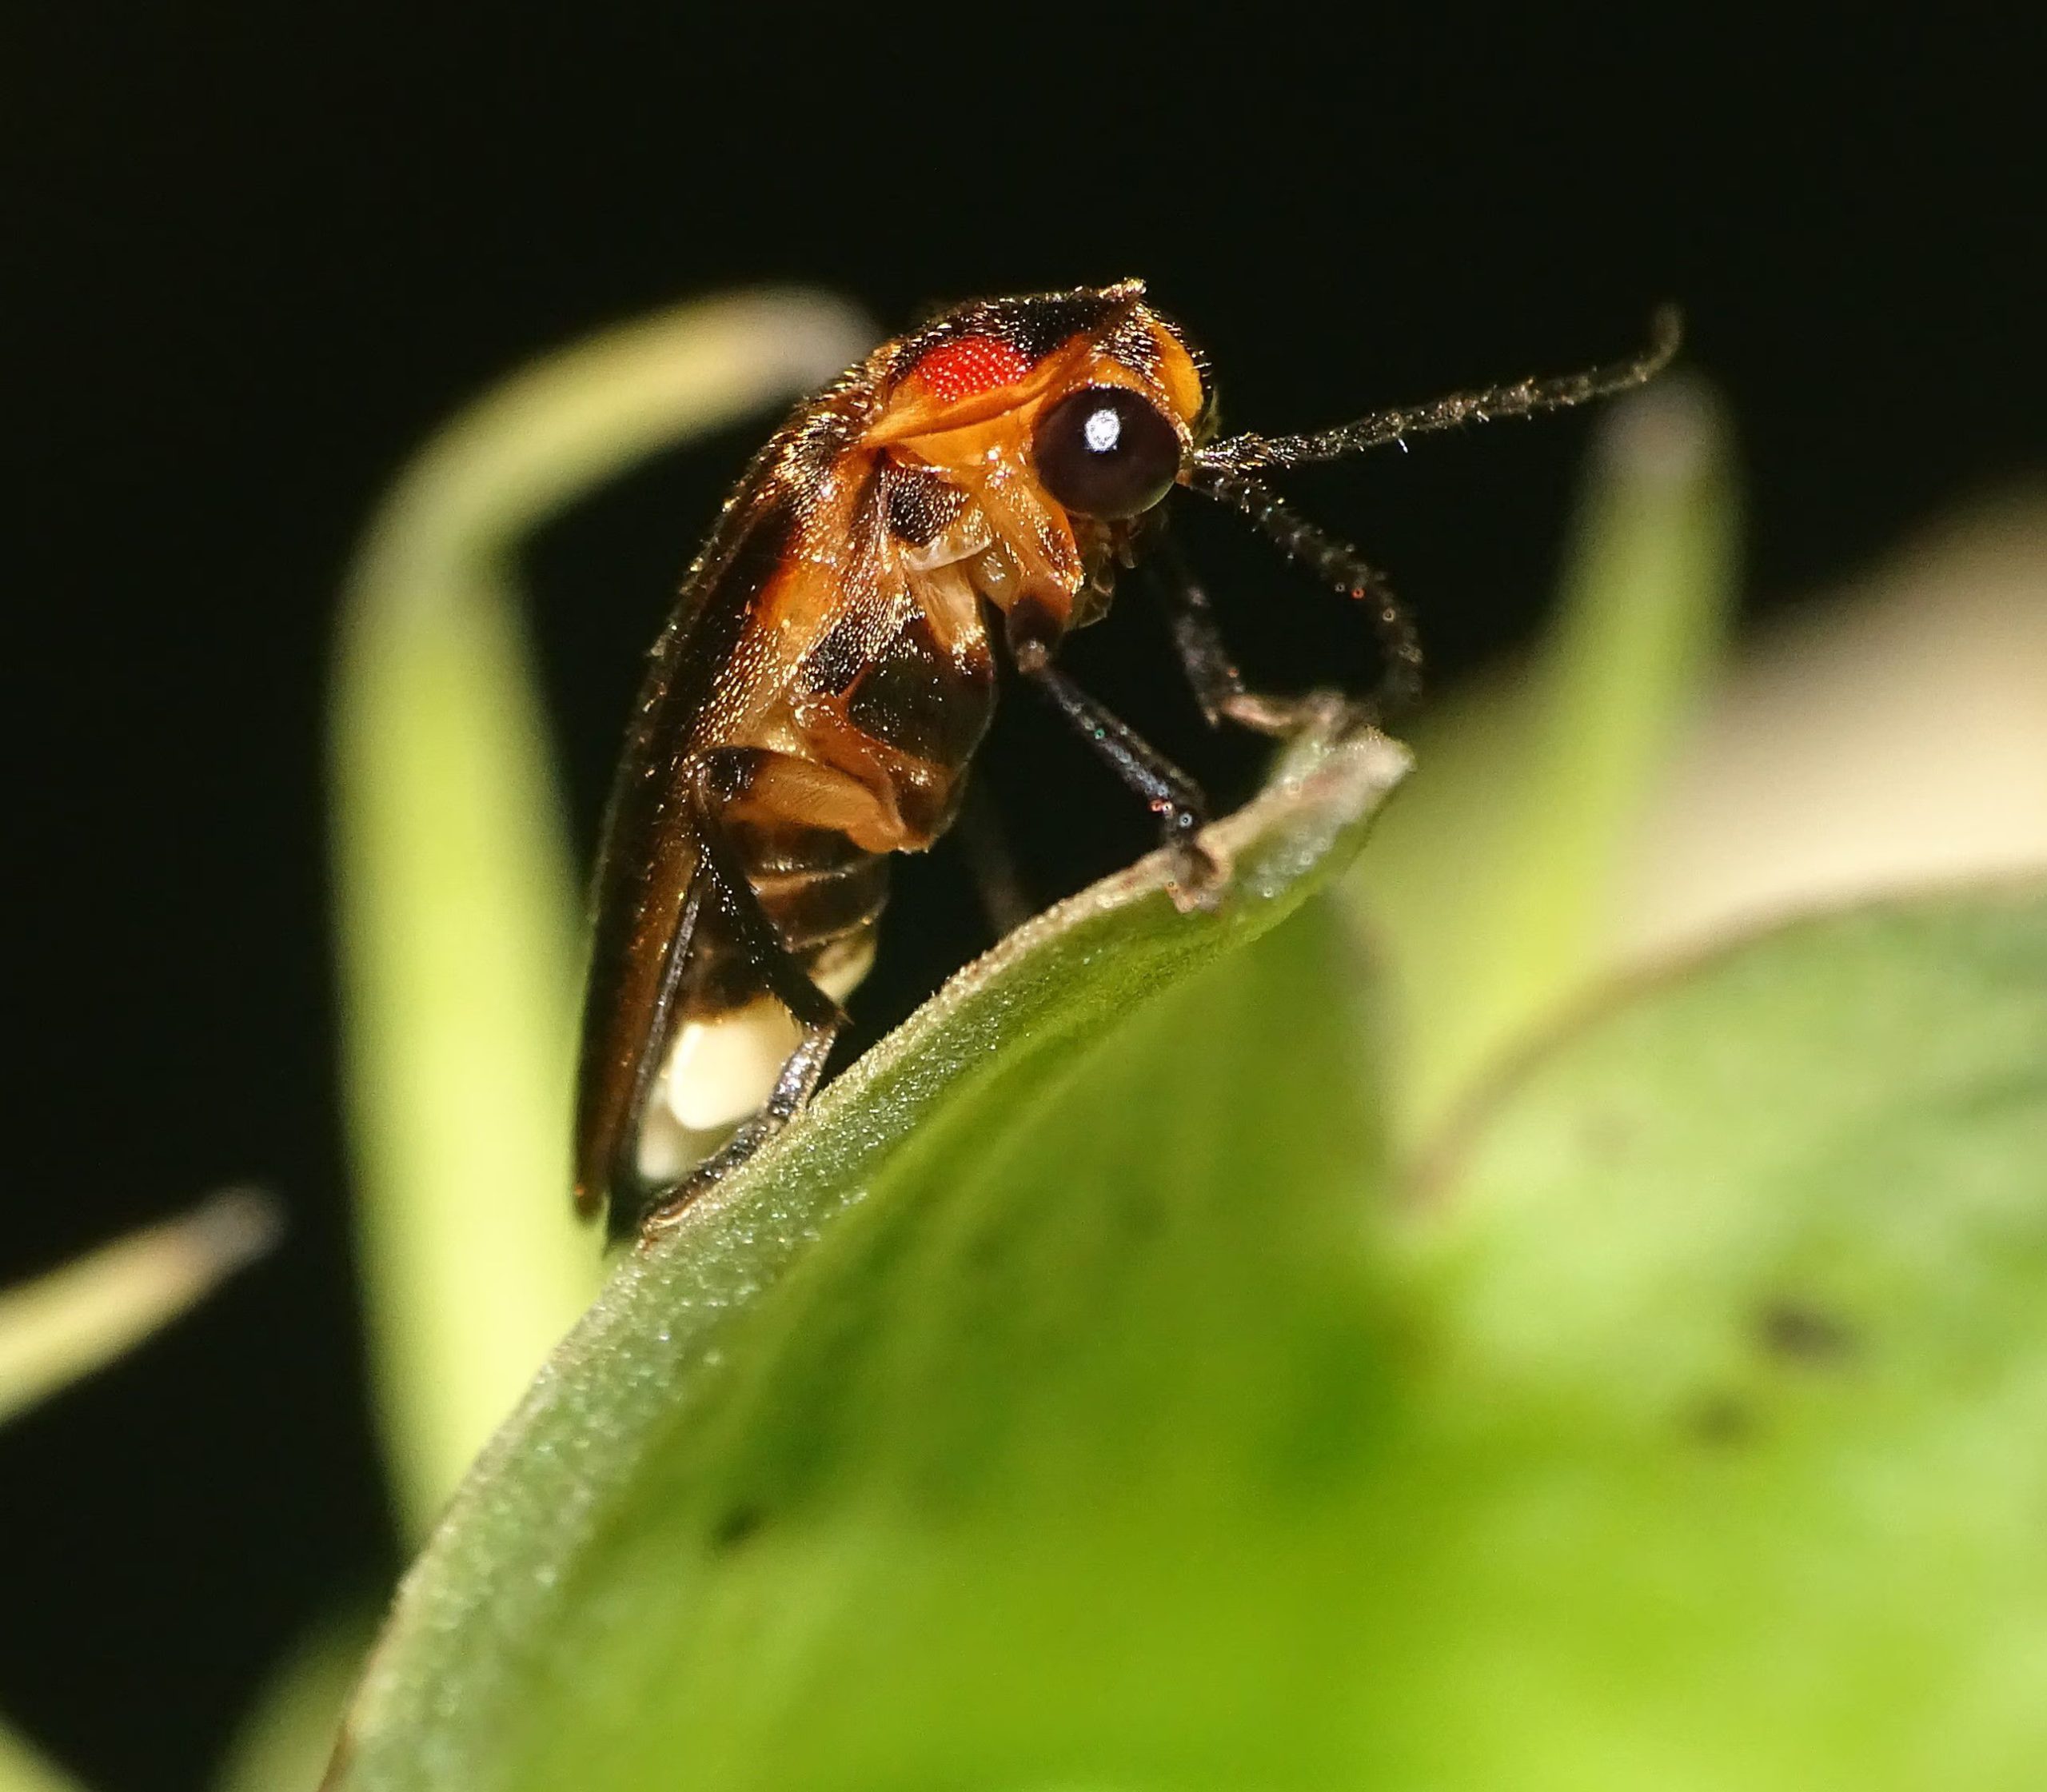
(793,1088)
(991,862)
(728,887)
(1218,687)
(787,980)
(1172,794)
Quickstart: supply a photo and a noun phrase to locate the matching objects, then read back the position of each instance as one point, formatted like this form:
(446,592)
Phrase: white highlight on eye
(1101,431)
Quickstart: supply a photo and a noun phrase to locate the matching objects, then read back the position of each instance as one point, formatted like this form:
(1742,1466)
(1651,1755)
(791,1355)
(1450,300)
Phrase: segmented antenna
(1523,398)
(1336,561)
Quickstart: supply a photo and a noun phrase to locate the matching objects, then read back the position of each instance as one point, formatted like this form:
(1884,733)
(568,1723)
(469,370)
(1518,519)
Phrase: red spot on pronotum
(969,365)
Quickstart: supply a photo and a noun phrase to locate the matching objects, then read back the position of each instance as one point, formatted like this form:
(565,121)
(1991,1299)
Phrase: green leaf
(461,916)
(989,1334)
(23,1770)
(1066,1407)
(1490,891)
(1740,1379)
(62,1326)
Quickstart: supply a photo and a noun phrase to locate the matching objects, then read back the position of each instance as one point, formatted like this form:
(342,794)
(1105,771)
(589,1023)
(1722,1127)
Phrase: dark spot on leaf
(737,1523)
(1801,1332)
(1723,1421)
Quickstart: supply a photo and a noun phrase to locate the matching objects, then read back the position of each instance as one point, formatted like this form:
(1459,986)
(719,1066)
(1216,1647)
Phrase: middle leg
(1177,800)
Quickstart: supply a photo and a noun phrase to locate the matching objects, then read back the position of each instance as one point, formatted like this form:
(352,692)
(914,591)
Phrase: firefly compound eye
(1105,452)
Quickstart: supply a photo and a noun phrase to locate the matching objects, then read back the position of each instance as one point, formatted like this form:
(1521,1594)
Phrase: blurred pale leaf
(64,1325)
(283,1743)
(1891,735)
(461,923)
(1492,889)
(23,1770)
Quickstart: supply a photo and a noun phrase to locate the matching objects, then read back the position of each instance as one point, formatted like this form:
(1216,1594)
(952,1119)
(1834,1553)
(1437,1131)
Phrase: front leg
(1217,686)
(1171,794)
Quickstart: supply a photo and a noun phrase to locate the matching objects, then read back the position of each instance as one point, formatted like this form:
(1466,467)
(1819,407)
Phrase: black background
(254,254)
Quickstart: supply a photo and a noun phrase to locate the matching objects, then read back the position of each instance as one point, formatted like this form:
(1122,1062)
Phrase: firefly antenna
(1336,561)
(1521,398)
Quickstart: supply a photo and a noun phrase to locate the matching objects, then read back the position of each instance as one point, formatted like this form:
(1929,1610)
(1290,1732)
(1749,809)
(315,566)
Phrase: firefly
(933,523)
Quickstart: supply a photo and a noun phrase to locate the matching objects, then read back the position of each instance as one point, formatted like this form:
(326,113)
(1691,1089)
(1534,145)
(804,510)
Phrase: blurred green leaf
(1490,889)
(461,922)
(23,1770)
(982,1346)
(284,1742)
(64,1325)
(1741,1380)
(1047,1414)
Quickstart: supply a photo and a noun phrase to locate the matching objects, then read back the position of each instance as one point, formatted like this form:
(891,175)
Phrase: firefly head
(1061,419)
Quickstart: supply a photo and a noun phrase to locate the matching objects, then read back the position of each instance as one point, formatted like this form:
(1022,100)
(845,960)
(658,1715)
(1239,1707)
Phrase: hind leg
(752,786)
(800,1073)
